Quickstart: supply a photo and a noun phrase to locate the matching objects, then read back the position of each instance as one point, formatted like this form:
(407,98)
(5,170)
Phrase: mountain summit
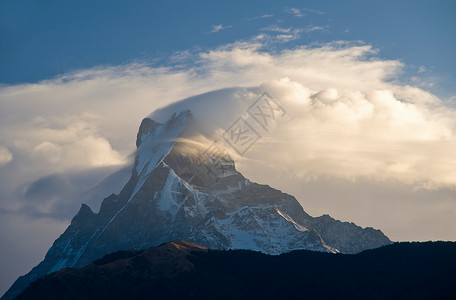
(182,191)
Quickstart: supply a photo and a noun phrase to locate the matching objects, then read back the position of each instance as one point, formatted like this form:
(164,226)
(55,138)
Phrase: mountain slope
(180,270)
(173,195)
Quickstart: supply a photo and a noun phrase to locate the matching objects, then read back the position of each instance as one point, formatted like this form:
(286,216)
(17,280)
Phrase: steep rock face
(347,237)
(173,195)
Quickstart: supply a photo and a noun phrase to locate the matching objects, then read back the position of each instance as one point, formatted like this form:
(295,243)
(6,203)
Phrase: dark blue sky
(42,39)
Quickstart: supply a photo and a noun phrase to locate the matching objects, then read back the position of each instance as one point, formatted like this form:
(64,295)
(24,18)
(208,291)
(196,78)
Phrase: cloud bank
(347,117)
(350,126)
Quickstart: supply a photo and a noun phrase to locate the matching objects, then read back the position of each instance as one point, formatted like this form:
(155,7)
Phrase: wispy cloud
(313,11)
(312,28)
(283,34)
(261,17)
(286,34)
(276,28)
(217,28)
(271,39)
(301,12)
(294,11)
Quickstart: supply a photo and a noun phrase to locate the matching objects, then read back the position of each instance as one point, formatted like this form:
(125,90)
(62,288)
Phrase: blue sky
(42,39)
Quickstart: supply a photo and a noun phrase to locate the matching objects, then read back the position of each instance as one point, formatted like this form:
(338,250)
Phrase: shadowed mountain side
(181,270)
(172,195)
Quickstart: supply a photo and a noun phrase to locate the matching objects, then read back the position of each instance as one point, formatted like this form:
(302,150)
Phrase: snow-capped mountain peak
(155,140)
(172,195)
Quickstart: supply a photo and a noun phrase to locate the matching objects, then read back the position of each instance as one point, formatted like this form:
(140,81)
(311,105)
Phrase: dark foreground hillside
(186,271)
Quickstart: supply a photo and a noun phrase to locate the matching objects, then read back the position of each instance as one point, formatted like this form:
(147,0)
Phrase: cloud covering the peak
(347,115)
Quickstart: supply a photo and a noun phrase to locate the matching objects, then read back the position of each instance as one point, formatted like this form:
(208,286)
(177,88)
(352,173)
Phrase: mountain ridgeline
(172,195)
(181,270)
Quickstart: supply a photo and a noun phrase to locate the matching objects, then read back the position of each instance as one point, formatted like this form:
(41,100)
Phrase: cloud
(286,34)
(338,65)
(312,28)
(89,118)
(353,134)
(282,34)
(301,12)
(278,29)
(75,145)
(294,11)
(5,155)
(217,28)
(343,133)
(261,17)
(313,11)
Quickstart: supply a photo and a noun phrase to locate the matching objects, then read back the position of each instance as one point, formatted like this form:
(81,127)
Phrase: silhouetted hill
(187,271)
